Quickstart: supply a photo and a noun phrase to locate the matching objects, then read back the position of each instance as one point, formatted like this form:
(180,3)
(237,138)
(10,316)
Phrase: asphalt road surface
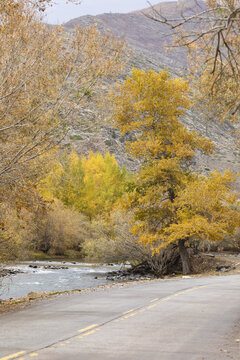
(181,319)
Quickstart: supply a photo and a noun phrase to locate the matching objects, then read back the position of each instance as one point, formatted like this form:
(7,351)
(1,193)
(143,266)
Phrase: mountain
(147,39)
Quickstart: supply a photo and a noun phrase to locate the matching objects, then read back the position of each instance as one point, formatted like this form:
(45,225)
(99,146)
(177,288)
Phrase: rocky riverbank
(127,275)
(9,272)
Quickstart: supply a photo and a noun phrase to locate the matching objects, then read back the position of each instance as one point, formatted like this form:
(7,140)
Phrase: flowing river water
(43,276)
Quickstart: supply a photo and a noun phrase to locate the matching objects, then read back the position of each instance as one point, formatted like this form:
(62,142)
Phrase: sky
(62,12)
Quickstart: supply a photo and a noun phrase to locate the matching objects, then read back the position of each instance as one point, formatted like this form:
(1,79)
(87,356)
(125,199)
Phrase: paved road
(184,319)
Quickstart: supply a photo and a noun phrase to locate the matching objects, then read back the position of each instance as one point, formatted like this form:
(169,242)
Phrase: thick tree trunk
(186,263)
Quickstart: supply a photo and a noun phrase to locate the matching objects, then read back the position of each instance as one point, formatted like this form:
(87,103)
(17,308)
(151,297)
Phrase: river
(41,278)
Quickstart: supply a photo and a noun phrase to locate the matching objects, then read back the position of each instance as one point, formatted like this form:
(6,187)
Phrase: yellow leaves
(203,209)
(193,228)
(149,105)
(92,185)
(207,194)
(104,183)
(149,97)
(170,202)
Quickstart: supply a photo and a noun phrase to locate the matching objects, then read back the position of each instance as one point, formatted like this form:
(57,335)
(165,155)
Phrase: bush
(59,229)
(15,230)
(111,241)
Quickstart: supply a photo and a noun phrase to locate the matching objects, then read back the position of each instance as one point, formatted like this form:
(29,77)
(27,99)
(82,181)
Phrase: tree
(91,185)
(64,180)
(167,194)
(104,184)
(204,211)
(211,34)
(45,76)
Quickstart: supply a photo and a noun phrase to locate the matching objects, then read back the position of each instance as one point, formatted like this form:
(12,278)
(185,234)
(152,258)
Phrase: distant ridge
(143,34)
(169,6)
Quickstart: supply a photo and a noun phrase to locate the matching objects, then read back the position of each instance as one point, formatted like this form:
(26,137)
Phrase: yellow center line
(12,356)
(166,298)
(86,328)
(133,314)
(94,328)
(88,333)
(126,312)
(151,306)
(130,313)
(154,300)
(142,310)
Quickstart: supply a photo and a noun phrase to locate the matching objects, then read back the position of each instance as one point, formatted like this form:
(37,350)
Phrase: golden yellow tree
(92,185)
(171,204)
(104,184)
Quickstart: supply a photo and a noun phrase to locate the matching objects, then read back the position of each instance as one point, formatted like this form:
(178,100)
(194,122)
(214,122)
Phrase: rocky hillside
(146,39)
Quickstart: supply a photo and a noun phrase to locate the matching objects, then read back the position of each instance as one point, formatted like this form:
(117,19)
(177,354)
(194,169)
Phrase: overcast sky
(62,12)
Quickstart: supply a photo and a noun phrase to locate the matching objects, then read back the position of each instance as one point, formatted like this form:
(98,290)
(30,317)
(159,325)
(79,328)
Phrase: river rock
(54,267)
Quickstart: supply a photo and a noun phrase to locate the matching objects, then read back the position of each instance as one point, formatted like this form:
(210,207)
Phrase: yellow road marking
(88,333)
(67,342)
(132,314)
(12,356)
(183,292)
(166,298)
(142,310)
(126,312)
(154,300)
(151,306)
(33,354)
(187,291)
(62,344)
(86,328)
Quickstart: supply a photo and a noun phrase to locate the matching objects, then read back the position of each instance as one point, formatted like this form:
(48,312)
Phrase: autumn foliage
(55,201)
(46,75)
(172,204)
(92,185)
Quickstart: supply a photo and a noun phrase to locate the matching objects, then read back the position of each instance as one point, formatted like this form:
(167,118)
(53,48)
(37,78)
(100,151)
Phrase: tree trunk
(186,263)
